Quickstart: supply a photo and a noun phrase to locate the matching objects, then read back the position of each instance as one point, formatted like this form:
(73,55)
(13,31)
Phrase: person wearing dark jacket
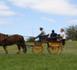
(53,35)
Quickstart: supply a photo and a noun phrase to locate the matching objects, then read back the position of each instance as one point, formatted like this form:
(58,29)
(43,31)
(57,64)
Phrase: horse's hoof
(18,52)
(6,52)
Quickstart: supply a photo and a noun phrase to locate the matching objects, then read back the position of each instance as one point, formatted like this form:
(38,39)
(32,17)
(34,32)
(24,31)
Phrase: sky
(25,17)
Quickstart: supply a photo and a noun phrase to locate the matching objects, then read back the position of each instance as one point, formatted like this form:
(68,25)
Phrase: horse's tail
(23,44)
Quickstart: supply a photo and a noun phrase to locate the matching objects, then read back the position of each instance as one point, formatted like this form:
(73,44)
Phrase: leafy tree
(71,32)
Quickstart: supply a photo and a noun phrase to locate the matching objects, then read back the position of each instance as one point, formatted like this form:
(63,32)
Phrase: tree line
(71,32)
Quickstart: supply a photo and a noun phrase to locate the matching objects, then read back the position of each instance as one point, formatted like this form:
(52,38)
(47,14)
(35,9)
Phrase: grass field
(65,61)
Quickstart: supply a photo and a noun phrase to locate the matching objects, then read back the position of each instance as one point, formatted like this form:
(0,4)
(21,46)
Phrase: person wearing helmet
(42,33)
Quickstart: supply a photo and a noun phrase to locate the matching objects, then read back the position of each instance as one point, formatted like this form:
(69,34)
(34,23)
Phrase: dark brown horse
(6,40)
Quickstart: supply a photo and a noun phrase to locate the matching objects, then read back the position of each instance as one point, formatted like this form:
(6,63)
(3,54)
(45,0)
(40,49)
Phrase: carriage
(53,47)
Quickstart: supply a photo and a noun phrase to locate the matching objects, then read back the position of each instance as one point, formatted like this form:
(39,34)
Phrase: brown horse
(6,40)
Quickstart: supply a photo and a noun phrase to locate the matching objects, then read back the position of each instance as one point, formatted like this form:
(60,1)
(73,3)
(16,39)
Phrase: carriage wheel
(55,49)
(37,49)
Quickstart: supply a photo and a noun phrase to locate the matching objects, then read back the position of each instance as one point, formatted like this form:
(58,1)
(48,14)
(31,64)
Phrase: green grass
(38,62)
(65,61)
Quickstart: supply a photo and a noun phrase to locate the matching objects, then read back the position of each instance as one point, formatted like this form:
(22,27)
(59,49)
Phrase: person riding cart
(53,36)
(42,35)
(63,35)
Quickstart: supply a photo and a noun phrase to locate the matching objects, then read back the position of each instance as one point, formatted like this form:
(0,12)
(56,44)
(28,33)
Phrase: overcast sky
(26,16)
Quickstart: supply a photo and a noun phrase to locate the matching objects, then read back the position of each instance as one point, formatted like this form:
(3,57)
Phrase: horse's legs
(4,47)
(19,49)
(24,48)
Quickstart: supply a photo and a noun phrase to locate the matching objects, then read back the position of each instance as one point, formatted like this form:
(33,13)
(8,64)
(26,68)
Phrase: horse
(6,40)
